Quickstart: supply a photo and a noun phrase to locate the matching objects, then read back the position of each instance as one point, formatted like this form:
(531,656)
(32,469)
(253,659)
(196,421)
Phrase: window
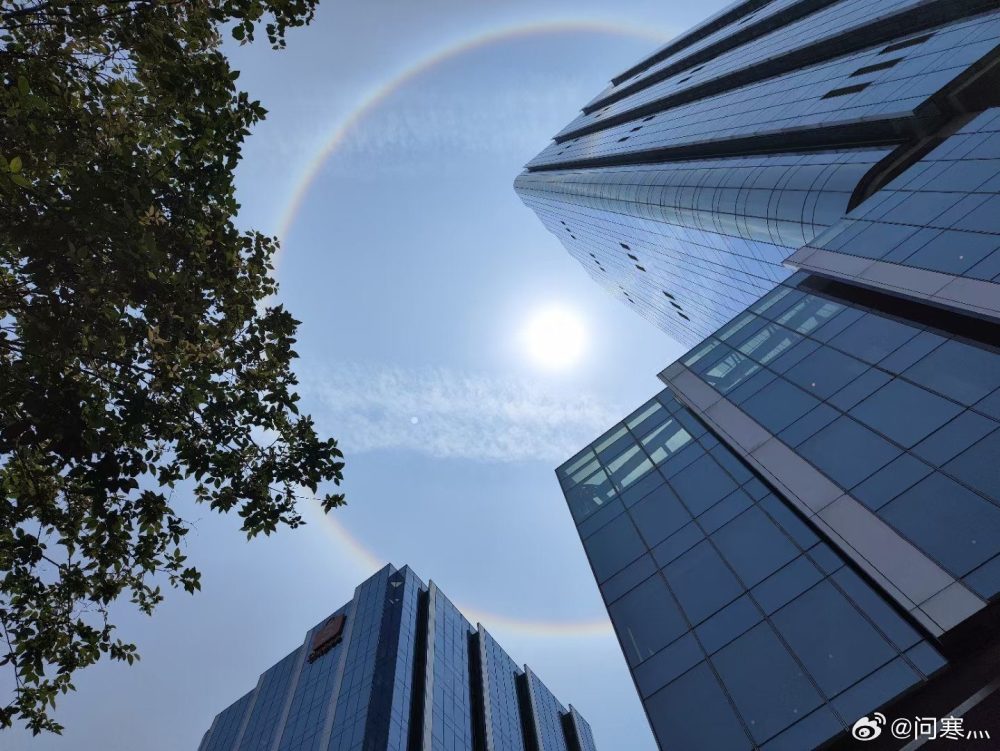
(646,620)
(629,467)
(905,413)
(666,441)
(778,405)
(876,67)
(846,90)
(727,372)
(702,485)
(847,453)
(613,546)
(693,713)
(683,316)
(640,267)
(783,586)
(667,664)
(874,605)
(908,43)
(625,246)
(678,544)
(767,685)
(754,546)
(702,582)
(627,578)
(725,510)
(978,465)
(647,417)
(733,620)
(954,525)
(587,497)
(769,342)
(838,649)
(659,515)
(623,138)
(634,258)
(825,372)
(961,371)
(876,689)
(890,481)
(669,295)
(871,337)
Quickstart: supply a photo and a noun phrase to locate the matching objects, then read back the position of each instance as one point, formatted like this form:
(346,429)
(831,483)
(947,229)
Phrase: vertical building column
(292,686)
(247,714)
(529,712)
(331,710)
(428,678)
(485,708)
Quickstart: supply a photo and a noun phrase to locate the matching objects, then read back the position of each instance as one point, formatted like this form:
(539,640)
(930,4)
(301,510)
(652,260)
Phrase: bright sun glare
(554,337)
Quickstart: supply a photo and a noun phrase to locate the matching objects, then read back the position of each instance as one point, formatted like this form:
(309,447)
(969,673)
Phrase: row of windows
(904,417)
(942,214)
(709,577)
(797,99)
(841,20)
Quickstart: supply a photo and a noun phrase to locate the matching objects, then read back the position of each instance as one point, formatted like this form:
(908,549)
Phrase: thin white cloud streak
(458,415)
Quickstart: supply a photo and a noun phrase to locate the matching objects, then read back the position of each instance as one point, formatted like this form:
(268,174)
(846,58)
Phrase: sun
(554,337)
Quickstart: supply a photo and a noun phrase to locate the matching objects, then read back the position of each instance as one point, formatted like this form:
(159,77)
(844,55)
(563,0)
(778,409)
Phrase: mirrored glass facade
(804,527)
(685,185)
(398,668)
(742,625)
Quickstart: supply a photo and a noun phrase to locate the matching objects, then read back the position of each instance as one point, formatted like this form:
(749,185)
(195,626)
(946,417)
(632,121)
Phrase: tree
(138,353)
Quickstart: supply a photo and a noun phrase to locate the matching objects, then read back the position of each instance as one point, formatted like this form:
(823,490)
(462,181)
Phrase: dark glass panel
(905,413)
(847,452)
(702,582)
(754,546)
(769,688)
(825,372)
(954,525)
(873,337)
(875,690)
(785,584)
(659,515)
(667,664)
(728,623)
(646,620)
(613,546)
(958,370)
(703,484)
(693,714)
(979,466)
(839,648)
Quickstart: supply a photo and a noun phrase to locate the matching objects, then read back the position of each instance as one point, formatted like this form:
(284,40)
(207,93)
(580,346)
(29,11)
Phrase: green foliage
(137,351)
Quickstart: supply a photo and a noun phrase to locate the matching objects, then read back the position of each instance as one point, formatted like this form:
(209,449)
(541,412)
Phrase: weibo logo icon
(868,728)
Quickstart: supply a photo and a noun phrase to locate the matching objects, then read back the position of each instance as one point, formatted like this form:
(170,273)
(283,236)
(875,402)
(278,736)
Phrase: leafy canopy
(137,351)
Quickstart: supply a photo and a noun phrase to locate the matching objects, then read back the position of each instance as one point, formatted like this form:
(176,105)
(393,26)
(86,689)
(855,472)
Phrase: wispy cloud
(449,414)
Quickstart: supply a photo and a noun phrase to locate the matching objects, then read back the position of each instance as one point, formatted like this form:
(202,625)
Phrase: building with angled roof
(798,540)
(398,668)
(684,186)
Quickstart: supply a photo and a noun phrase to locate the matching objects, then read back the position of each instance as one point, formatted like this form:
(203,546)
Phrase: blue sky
(413,267)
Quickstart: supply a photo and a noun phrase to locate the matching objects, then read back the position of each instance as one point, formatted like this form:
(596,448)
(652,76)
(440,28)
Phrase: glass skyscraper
(398,668)
(798,540)
(684,185)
